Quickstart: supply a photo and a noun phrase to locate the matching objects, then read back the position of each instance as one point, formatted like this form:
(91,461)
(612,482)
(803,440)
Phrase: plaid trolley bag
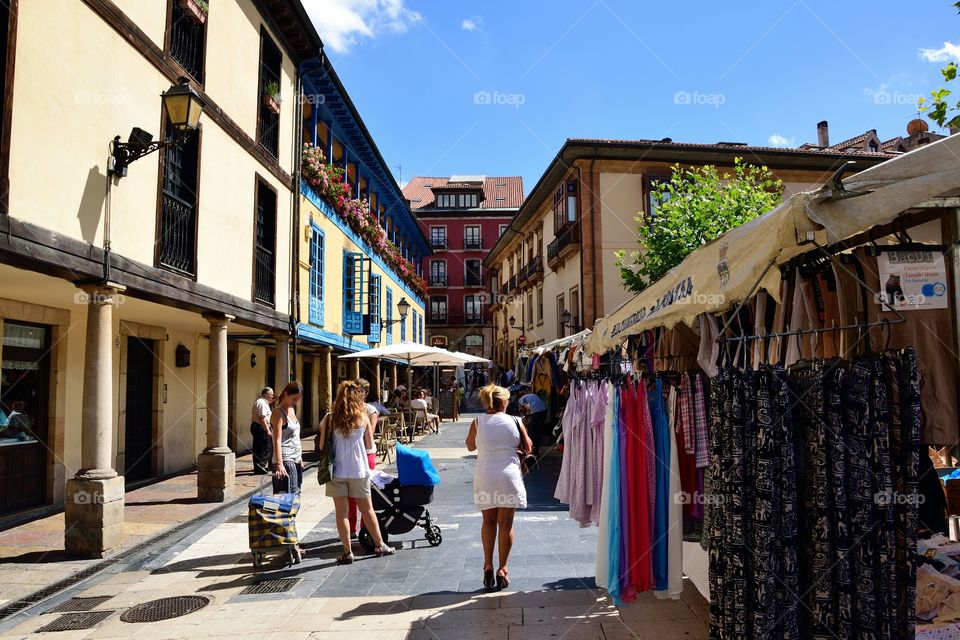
(272,523)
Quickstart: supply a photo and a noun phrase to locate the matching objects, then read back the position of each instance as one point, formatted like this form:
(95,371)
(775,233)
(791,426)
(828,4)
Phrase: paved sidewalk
(420,593)
(32,555)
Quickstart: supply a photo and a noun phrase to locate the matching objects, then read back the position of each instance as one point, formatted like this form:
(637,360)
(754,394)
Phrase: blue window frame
(389,315)
(355,268)
(317,243)
(374,335)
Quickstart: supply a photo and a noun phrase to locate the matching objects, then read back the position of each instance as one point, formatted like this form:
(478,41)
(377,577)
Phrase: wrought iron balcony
(533,270)
(186,42)
(472,244)
(264,278)
(438,281)
(472,280)
(178,235)
(565,243)
(438,243)
(455,318)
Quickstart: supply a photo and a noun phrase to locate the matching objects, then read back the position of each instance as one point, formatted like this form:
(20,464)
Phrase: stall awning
(722,273)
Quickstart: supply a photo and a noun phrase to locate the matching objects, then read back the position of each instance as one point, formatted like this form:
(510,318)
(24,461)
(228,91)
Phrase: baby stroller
(401,504)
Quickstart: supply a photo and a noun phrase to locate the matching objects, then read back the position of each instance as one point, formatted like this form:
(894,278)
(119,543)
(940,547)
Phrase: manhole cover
(278,585)
(76,621)
(79,604)
(164,608)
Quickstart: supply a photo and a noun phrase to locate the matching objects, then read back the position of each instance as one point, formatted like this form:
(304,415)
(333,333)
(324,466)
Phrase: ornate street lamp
(404,308)
(182,106)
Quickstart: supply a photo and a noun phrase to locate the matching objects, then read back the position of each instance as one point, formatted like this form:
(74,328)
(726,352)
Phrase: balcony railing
(186,42)
(513,283)
(455,318)
(438,281)
(177,242)
(505,288)
(568,237)
(472,244)
(438,243)
(263,290)
(472,280)
(531,269)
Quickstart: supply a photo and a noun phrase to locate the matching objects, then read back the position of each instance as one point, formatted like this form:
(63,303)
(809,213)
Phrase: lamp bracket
(123,154)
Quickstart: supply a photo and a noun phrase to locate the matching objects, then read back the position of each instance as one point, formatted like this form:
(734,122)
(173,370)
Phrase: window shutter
(354,293)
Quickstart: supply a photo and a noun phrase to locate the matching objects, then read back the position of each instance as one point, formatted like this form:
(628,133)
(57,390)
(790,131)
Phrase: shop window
(264,279)
(187,40)
(317,242)
(24,397)
(268,121)
(177,231)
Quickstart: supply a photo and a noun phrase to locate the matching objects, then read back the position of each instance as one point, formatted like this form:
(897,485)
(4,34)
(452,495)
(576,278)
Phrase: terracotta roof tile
(668,143)
(420,191)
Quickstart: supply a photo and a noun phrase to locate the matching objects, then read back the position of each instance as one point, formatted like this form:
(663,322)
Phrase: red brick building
(463,217)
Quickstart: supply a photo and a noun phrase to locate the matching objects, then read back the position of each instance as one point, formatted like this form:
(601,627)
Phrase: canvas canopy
(721,274)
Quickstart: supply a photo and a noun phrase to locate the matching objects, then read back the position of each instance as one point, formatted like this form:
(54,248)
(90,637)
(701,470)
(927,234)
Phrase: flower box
(196,10)
(272,103)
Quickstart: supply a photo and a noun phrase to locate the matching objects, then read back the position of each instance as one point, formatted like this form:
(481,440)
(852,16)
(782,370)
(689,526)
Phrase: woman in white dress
(498,489)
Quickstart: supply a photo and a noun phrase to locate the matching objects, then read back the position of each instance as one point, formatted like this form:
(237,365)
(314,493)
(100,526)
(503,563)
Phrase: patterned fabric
(272,528)
(700,423)
(685,413)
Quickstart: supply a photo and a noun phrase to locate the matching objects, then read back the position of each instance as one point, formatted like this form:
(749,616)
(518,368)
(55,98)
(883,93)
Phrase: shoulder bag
(325,461)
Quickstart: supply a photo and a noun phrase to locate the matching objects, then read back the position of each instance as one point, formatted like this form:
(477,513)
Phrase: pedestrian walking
(498,489)
(261,431)
(536,411)
(351,476)
(372,416)
(287,452)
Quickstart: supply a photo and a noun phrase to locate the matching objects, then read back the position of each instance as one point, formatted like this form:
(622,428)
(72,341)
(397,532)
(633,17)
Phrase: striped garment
(702,446)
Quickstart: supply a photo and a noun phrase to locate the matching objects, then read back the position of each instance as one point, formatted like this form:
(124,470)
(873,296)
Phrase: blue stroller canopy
(415,467)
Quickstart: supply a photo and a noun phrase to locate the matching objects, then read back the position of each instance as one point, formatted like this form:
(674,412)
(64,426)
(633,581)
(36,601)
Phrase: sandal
(502,580)
(488,582)
(384,550)
(345,558)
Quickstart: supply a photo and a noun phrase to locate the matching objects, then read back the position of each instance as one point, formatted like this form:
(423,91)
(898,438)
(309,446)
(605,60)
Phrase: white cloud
(949,52)
(343,23)
(778,140)
(472,24)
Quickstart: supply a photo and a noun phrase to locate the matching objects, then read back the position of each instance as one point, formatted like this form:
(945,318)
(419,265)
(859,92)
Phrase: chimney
(823,134)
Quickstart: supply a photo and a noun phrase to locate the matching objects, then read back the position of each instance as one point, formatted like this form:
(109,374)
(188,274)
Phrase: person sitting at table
(420,404)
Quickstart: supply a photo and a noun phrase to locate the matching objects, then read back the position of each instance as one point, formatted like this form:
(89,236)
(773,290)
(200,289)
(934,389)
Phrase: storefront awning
(724,272)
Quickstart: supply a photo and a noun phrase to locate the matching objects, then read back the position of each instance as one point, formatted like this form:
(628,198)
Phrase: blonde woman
(351,474)
(498,489)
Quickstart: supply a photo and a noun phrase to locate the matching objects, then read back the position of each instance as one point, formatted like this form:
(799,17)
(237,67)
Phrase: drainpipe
(294,307)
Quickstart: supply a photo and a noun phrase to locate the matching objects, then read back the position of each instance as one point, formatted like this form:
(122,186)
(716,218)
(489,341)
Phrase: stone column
(283,360)
(326,380)
(392,385)
(376,385)
(93,508)
(354,368)
(217,464)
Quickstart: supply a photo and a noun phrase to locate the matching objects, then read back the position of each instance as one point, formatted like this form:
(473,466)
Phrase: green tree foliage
(692,208)
(939,107)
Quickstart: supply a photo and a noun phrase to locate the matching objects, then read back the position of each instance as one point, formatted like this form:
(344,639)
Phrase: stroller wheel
(434,537)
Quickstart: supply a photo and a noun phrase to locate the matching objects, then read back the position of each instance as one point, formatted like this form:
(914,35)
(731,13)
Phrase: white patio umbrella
(403,350)
(442,359)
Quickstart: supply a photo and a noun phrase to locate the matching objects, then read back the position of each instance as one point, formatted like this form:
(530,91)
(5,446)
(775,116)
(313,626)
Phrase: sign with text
(912,280)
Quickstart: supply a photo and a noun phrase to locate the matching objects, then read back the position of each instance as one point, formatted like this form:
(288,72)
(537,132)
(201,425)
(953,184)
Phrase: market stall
(766,401)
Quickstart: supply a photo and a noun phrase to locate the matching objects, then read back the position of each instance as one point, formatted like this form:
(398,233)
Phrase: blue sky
(495,87)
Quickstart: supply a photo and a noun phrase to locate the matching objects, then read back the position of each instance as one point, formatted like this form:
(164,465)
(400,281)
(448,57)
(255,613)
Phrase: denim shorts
(293,481)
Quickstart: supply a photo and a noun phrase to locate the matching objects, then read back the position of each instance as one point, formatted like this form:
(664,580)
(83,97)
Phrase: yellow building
(149,291)
(556,263)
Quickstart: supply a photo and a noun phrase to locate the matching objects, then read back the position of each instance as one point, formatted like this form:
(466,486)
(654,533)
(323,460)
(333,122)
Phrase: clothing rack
(859,326)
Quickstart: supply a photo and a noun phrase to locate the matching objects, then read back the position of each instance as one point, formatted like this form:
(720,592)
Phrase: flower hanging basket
(196,10)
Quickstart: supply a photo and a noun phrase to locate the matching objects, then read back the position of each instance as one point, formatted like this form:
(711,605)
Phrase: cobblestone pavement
(422,592)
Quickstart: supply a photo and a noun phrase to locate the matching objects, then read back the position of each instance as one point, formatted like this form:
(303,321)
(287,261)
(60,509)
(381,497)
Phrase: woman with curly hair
(351,475)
